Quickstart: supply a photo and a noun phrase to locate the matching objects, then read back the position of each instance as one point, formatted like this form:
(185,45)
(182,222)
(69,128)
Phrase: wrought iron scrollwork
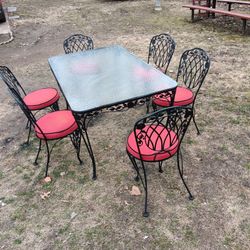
(76,138)
(78,42)
(11,81)
(127,105)
(76,141)
(161,50)
(193,68)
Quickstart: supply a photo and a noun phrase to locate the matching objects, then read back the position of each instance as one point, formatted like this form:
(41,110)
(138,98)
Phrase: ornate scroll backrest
(161,50)
(30,116)
(10,80)
(77,42)
(193,68)
(167,125)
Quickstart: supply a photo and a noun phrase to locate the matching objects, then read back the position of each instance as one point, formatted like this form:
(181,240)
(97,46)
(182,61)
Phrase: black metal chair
(35,100)
(156,138)
(52,126)
(77,42)
(161,50)
(193,68)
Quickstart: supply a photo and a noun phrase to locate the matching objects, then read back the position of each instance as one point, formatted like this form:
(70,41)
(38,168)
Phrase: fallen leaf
(45,195)
(62,173)
(135,191)
(47,179)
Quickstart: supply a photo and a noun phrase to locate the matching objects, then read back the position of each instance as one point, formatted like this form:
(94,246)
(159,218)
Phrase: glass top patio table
(99,78)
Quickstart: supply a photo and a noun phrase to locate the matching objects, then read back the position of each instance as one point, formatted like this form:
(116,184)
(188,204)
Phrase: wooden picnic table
(230,2)
(211,8)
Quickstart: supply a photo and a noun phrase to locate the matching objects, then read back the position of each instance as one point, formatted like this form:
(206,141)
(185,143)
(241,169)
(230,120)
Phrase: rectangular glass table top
(106,76)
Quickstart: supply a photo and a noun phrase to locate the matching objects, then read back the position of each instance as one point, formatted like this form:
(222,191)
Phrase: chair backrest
(11,81)
(30,116)
(77,42)
(166,125)
(161,50)
(193,67)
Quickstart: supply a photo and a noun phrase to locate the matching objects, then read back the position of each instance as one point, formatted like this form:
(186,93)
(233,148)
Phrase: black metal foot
(145,214)
(81,162)
(25,144)
(160,171)
(136,178)
(94,178)
(35,163)
(191,197)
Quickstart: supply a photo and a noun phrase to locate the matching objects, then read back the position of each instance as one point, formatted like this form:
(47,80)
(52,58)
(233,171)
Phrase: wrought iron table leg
(76,141)
(90,151)
(82,121)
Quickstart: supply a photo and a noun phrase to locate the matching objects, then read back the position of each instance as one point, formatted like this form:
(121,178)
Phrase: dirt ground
(84,214)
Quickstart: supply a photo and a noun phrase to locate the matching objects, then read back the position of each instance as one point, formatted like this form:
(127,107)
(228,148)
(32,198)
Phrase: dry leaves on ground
(135,191)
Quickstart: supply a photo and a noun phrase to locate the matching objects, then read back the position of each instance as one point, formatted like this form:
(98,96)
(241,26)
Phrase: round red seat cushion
(158,143)
(183,97)
(56,125)
(41,98)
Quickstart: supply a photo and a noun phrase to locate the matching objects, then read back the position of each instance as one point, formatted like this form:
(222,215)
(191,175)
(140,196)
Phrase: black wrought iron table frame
(135,90)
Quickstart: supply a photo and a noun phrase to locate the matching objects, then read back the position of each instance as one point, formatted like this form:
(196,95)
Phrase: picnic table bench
(243,17)
(230,2)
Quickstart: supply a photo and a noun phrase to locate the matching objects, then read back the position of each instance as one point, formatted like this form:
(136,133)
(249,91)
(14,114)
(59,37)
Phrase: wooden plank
(234,2)
(224,12)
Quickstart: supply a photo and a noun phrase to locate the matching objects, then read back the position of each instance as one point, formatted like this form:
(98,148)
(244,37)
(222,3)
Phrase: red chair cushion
(56,125)
(154,147)
(41,98)
(183,97)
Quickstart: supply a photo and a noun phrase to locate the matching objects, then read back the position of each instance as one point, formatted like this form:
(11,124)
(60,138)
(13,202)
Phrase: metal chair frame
(160,53)
(75,136)
(77,42)
(193,68)
(173,119)
(161,50)
(12,83)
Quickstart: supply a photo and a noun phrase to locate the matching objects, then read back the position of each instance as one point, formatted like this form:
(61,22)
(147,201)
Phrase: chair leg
(143,180)
(132,159)
(180,169)
(145,213)
(160,167)
(27,124)
(198,131)
(154,106)
(48,158)
(28,139)
(55,106)
(147,104)
(38,152)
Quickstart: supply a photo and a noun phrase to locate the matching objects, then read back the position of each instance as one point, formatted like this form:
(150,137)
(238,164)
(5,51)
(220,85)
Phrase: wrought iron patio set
(155,137)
